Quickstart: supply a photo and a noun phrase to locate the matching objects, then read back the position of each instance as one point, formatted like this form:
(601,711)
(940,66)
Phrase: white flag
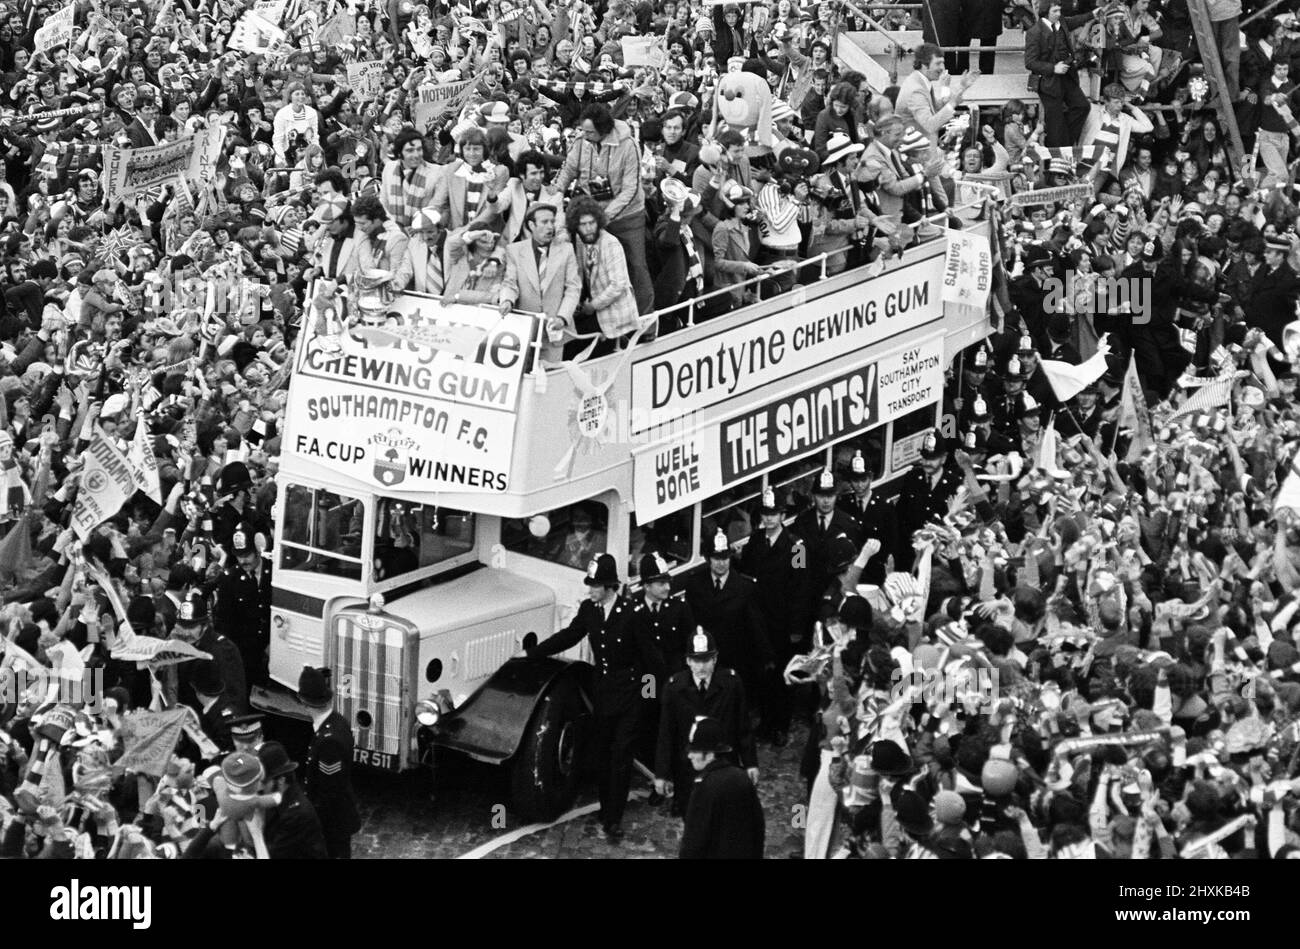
(1288,496)
(107,480)
(1068,380)
(144,464)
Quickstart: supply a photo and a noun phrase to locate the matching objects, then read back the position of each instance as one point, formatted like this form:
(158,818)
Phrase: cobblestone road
(402,820)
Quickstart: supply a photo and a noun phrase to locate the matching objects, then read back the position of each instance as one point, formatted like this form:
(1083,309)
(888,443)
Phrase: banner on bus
(428,404)
(967,269)
(727,365)
(679,472)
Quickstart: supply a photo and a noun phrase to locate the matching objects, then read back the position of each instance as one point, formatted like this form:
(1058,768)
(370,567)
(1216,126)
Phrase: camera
(599,189)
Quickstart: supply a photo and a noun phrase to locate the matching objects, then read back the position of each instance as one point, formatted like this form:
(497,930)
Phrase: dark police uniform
(293,830)
(780,571)
(733,616)
(920,502)
(875,520)
(669,626)
(683,703)
(242,612)
(327,781)
(216,722)
(622,652)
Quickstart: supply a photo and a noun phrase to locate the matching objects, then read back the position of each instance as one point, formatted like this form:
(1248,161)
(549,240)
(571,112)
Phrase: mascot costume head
(743,101)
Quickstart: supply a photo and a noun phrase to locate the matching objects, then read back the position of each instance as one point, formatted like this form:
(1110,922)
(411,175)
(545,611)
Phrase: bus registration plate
(376,759)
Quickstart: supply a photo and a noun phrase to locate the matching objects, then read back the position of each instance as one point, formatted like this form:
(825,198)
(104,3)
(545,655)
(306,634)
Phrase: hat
(275,760)
(721,548)
(858,467)
(207,679)
(890,758)
(781,110)
(682,100)
(912,813)
(314,687)
(653,567)
(913,140)
(703,645)
(855,612)
(979,361)
(241,542)
(1028,405)
(769,503)
(798,161)
(193,610)
(979,409)
(706,735)
(1036,255)
(1277,244)
(1015,369)
(496,112)
(825,483)
(933,446)
(1026,345)
(246,727)
(602,571)
(842,552)
(242,770)
(141,613)
(949,808)
(839,147)
(736,193)
(234,477)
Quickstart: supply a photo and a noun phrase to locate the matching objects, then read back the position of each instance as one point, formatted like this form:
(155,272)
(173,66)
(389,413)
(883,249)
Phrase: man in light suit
(898,180)
(556,293)
(1049,57)
(524,191)
(1113,123)
(919,97)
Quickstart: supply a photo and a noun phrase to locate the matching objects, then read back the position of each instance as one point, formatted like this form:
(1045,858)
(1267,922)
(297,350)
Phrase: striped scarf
(1068,158)
(580,89)
(475,182)
(403,189)
(694,269)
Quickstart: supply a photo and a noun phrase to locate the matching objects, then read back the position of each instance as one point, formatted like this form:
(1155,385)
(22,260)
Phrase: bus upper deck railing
(689,307)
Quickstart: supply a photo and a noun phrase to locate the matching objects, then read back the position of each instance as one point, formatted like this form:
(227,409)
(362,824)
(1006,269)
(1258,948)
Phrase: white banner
(56,31)
(272,11)
(128,170)
(643,51)
(429,409)
(729,364)
(366,79)
(967,269)
(679,472)
(107,480)
(254,34)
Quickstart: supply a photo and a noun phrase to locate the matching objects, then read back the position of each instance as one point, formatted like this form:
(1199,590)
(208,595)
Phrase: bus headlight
(427,713)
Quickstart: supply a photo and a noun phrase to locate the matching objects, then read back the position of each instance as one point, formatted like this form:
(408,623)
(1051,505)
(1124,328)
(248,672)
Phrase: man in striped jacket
(1113,123)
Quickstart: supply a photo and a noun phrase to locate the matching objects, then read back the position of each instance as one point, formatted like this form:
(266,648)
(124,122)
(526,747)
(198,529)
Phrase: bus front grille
(369,683)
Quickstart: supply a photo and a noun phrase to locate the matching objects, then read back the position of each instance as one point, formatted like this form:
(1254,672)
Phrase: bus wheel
(545,771)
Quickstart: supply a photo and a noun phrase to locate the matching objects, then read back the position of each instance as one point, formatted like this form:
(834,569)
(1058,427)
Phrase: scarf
(406,191)
(580,89)
(694,269)
(475,182)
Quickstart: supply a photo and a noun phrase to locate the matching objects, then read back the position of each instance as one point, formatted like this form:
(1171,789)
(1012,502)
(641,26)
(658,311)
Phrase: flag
(1068,380)
(150,738)
(1134,414)
(1212,396)
(144,465)
(1047,446)
(107,480)
(1000,297)
(16,551)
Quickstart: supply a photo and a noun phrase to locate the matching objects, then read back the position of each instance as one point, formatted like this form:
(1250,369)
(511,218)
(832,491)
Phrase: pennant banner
(967,270)
(1065,194)
(106,482)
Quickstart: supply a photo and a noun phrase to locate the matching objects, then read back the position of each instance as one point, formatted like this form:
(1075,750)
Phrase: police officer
(192,627)
(668,622)
(725,602)
(1004,434)
(622,652)
(293,828)
(725,818)
(327,772)
(873,515)
(246,732)
(234,505)
(216,709)
(778,562)
(974,380)
(243,602)
(1036,382)
(926,490)
(819,526)
(704,689)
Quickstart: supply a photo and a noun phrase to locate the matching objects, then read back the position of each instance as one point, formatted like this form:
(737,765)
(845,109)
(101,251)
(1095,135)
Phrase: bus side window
(669,536)
(732,512)
(794,482)
(572,536)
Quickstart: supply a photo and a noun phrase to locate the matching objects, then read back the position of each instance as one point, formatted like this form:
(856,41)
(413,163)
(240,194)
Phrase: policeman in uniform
(778,562)
(293,829)
(622,652)
(327,772)
(216,709)
(243,602)
(819,526)
(668,622)
(926,490)
(1085,415)
(192,627)
(234,505)
(725,602)
(246,732)
(725,818)
(704,689)
(1004,434)
(873,515)
(1036,383)
(974,380)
